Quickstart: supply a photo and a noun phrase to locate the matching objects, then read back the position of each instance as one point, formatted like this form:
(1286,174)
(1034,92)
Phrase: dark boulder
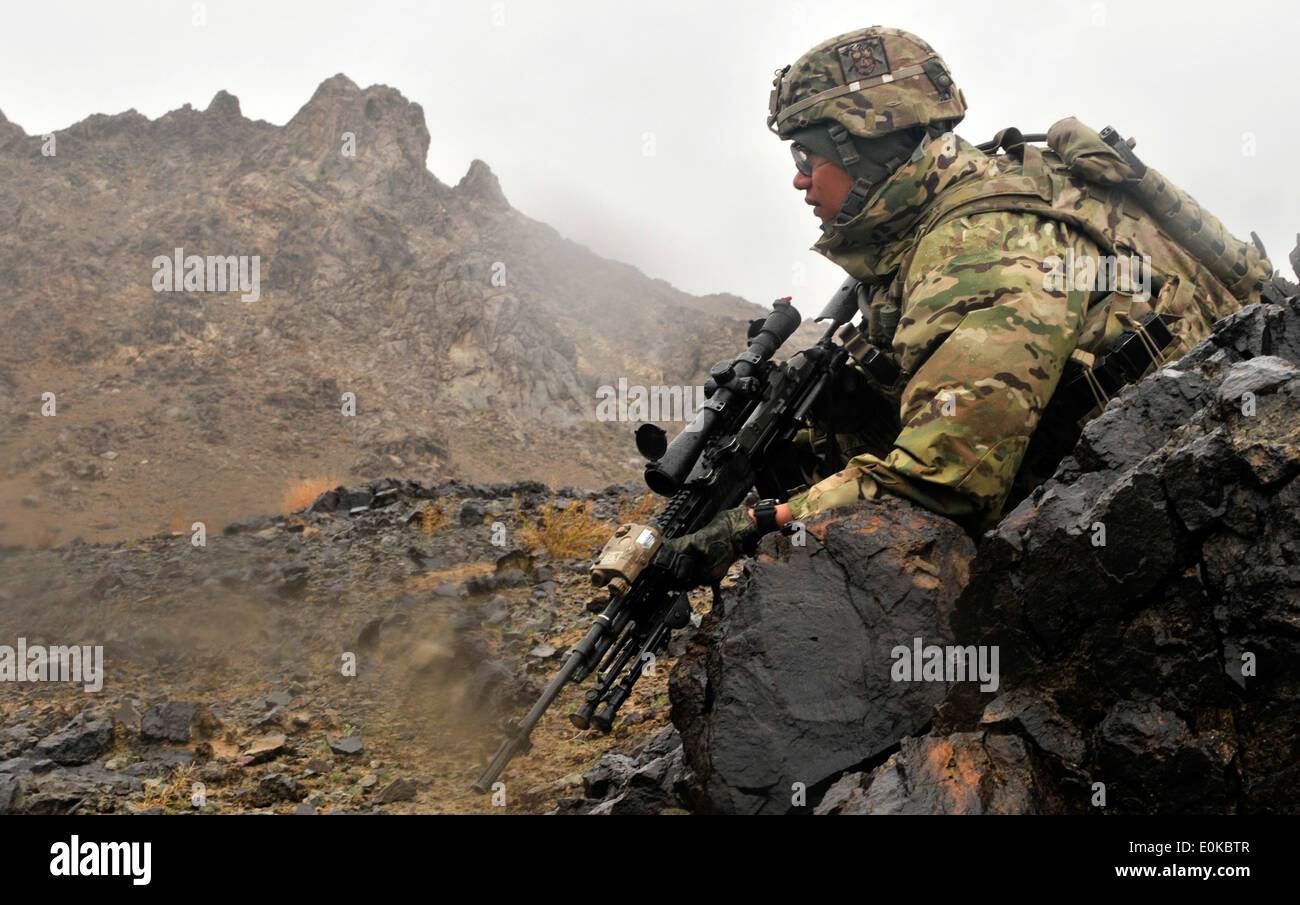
(790,683)
(80,741)
(168,722)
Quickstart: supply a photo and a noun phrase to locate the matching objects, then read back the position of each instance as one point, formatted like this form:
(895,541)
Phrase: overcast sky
(639,129)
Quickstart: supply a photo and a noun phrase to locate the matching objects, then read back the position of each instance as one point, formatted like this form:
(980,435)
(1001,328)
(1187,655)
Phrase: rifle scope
(666,474)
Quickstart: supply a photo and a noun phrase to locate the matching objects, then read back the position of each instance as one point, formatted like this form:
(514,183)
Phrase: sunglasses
(802,158)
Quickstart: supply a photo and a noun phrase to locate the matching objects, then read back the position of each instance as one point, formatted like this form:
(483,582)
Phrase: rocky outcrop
(480,184)
(1143,605)
(1147,597)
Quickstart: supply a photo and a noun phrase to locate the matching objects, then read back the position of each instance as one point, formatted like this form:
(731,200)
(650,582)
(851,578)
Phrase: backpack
(1199,271)
(1093,182)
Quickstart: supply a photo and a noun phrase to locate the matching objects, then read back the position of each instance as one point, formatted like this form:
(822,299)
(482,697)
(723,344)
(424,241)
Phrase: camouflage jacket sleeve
(984,342)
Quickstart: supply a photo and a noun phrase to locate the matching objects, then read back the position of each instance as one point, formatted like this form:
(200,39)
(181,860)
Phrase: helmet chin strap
(853,204)
(869,172)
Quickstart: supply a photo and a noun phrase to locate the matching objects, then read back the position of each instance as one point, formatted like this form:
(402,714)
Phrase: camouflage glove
(704,556)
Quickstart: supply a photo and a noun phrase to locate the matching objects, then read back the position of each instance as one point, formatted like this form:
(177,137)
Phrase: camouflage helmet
(874,81)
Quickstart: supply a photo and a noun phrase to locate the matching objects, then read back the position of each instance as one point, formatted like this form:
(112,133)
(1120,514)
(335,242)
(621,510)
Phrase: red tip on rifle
(785,298)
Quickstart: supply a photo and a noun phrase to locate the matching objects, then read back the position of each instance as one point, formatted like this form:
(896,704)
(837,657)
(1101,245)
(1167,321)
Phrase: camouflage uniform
(982,338)
(982,341)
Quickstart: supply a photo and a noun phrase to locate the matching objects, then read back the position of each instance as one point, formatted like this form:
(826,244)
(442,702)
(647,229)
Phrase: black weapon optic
(729,382)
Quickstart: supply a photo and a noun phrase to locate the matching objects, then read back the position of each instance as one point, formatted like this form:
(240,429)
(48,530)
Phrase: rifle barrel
(518,740)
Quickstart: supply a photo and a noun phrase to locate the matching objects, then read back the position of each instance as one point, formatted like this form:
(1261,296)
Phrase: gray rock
(80,741)
(277,699)
(540,624)
(128,715)
(843,792)
(86,788)
(291,579)
(17,765)
(273,788)
(15,740)
(397,790)
(648,783)
(497,611)
(347,746)
(213,773)
(512,578)
(1037,718)
(159,761)
(472,512)
(1259,376)
(268,747)
(494,687)
(477,585)
(10,794)
(168,722)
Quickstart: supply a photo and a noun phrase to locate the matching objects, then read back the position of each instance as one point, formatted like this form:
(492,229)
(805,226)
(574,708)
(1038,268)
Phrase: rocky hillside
(472,337)
(357,656)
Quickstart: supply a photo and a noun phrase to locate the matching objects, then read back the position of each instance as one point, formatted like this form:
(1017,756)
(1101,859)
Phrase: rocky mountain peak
(225,105)
(384,123)
(481,184)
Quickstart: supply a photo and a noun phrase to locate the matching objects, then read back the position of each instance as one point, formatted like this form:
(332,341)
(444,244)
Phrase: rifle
(754,408)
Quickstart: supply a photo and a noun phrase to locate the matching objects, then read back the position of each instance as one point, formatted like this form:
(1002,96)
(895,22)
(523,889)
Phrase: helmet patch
(863,59)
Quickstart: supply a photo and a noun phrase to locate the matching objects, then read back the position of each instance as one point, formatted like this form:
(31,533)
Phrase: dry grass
(430,519)
(161,795)
(303,493)
(638,511)
(567,533)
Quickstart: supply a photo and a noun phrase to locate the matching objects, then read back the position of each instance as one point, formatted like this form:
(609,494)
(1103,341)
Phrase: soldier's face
(826,189)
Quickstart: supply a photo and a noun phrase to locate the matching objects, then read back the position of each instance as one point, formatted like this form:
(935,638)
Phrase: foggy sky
(639,130)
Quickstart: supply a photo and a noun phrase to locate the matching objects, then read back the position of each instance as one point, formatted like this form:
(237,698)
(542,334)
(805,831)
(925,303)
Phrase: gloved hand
(705,555)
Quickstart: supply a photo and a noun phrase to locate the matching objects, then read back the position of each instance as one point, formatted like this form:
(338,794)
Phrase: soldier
(966,290)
